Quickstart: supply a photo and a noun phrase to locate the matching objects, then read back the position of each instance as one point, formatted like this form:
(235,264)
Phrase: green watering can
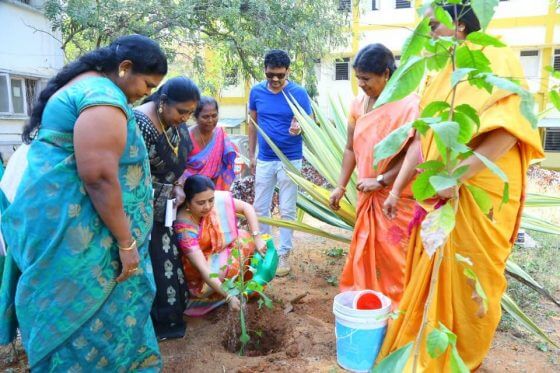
(265,268)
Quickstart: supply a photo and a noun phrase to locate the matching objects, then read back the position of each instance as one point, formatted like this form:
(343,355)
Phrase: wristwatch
(381,180)
(255,233)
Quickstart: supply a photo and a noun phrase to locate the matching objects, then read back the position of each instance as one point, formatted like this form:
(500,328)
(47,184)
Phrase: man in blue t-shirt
(269,108)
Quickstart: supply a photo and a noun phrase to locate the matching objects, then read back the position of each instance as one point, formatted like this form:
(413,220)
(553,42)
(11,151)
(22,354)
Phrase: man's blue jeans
(269,174)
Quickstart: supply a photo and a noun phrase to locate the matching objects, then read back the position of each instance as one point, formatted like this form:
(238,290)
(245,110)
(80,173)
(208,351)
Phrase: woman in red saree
(377,256)
(213,153)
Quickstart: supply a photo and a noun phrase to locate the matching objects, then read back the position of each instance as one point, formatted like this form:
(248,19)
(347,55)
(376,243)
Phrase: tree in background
(236,32)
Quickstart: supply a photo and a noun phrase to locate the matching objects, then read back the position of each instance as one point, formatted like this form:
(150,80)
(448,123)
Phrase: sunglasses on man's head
(278,75)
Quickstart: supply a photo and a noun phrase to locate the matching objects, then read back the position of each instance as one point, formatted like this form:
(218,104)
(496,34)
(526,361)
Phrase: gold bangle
(342,187)
(393,195)
(131,247)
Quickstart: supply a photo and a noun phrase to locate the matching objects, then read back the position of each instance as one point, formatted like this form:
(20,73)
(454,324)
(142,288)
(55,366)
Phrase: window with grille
(556,62)
(342,69)
(30,94)
(401,4)
(344,5)
(374,5)
(552,139)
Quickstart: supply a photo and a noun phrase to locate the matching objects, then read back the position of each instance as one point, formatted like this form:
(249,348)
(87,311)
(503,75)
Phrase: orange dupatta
(377,254)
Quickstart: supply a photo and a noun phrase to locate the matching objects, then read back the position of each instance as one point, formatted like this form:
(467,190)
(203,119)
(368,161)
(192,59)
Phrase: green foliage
(460,74)
(238,32)
(436,343)
(396,361)
(391,144)
(237,286)
(527,105)
(444,17)
(484,10)
(436,227)
(498,172)
(414,44)
(479,294)
(481,38)
(513,310)
(422,189)
(472,58)
(404,81)
(335,252)
(481,198)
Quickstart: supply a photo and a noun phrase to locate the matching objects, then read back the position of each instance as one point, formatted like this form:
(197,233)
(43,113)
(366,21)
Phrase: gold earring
(462,28)
(121,73)
(160,110)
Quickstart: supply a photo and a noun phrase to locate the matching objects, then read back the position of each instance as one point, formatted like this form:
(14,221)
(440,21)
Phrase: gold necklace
(175,149)
(202,137)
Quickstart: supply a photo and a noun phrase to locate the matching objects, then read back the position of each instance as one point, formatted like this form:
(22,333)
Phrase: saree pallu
(216,160)
(72,314)
(377,254)
(486,242)
(216,237)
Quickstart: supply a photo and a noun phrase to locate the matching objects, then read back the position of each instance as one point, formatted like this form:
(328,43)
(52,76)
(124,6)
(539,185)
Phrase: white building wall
(522,36)
(521,8)
(25,52)
(386,14)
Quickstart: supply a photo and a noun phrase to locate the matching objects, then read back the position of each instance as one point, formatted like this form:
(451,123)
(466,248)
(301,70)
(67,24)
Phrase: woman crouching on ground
(206,230)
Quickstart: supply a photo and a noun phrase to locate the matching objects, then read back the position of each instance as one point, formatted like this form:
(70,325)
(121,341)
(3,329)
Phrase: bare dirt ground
(303,340)
(306,341)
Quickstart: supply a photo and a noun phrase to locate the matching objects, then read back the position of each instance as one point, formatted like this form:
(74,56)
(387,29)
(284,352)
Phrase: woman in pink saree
(213,153)
(377,256)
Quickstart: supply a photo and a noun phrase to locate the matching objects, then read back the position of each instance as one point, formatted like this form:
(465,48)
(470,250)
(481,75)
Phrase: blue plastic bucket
(359,333)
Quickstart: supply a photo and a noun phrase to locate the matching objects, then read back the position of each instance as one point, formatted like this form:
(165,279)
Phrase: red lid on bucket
(367,300)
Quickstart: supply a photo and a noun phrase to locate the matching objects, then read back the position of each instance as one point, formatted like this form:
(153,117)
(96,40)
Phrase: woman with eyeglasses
(161,119)
(213,153)
(377,255)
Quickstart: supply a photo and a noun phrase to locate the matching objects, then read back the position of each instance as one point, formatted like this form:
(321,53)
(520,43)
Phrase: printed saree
(216,160)
(486,242)
(72,314)
(377,254)
(215,237)
(166,167)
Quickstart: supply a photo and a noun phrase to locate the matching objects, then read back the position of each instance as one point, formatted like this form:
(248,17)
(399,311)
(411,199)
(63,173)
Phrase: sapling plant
(242,286)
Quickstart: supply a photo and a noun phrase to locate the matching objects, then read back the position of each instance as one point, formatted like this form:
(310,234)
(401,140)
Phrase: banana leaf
(513,309)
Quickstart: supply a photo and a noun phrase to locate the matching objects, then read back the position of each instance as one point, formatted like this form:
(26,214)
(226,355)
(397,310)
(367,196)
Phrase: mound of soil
(266,328)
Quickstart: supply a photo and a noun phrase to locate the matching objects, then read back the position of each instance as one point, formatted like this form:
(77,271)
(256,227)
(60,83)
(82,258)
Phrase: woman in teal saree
(78,226)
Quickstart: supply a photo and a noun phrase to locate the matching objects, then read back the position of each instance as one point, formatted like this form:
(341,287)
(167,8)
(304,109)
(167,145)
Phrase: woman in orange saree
(506,138)
(377,254)
(207,233)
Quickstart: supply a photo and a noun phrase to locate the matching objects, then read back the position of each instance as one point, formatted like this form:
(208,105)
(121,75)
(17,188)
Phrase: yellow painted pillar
(552,19)
(355,43)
